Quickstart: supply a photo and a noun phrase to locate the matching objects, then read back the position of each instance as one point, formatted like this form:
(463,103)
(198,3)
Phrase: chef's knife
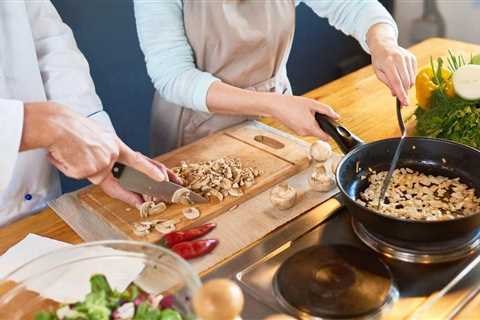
(136,181)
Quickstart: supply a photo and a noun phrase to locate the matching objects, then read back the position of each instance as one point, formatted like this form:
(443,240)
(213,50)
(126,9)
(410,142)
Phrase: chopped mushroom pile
(416,196)
(217,178)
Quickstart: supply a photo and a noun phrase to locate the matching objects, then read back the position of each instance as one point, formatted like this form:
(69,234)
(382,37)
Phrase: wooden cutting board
(279,156)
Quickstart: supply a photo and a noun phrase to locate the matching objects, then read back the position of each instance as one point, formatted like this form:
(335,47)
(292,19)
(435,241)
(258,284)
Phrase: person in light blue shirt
(217,63)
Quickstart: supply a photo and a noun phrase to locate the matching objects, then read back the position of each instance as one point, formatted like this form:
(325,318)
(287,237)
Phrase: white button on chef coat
(39,61)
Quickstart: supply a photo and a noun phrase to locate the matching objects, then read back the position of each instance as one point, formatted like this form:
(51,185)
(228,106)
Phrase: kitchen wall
(462,18)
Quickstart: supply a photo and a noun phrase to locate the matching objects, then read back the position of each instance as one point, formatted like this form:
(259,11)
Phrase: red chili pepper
(194,249)
(172,238)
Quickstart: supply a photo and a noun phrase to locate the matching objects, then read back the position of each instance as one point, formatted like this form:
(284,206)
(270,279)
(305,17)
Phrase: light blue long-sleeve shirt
(170,58)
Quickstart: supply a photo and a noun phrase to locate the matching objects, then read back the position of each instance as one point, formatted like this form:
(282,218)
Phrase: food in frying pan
(217,178)
(283,196)
(416,196)
(320,180)
(320,151)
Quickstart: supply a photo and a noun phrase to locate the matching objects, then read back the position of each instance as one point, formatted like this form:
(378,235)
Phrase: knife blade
(396,155)
(136,181)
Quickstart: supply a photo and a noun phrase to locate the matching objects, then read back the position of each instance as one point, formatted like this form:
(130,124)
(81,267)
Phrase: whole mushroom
(320,151)
(320,180)
(218,299)
(283,196)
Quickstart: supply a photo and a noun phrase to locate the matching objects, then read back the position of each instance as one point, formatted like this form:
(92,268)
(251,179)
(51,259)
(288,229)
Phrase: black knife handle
(117,170)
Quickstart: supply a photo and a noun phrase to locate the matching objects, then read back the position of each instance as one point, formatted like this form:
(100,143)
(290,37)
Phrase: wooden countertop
(365,104)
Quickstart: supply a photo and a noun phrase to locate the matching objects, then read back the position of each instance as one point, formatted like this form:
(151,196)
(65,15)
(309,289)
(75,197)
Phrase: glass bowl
(62,276)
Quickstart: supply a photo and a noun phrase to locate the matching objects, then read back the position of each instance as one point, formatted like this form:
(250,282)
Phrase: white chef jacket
(39,61)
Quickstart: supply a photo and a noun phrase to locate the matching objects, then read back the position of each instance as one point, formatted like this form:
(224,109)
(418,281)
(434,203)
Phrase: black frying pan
(423,154)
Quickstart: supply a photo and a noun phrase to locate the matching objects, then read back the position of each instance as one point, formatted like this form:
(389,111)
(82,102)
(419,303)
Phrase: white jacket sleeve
(353,17)
(65,71)
(11,122)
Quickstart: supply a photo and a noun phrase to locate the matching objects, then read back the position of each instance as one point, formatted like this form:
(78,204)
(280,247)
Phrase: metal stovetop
(253,270)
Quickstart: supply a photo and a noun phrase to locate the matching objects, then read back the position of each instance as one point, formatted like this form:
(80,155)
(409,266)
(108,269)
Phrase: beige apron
(244,43)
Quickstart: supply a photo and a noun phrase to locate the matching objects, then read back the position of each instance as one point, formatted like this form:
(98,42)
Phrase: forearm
(226,99)
(381,35)
(39,129)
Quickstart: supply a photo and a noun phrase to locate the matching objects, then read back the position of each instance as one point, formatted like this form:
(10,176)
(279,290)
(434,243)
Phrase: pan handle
(346,140)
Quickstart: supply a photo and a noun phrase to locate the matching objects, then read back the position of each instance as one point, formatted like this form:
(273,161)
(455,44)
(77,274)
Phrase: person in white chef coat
(217,63)
(50,115)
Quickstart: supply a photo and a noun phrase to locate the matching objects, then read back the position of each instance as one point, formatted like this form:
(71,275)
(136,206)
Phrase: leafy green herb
(455,62)
(99,283)
(95,306)
(43,315)
(170,314)
(450,118)
(146,312)
(475,59)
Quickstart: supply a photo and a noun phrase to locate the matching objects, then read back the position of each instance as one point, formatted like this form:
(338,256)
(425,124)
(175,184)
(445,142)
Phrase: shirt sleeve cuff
(11,122)
(385,20)
(199,99)
(363,39)
(102,118)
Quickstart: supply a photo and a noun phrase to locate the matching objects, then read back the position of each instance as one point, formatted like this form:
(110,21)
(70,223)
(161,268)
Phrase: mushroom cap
(321,182)
(283,196)
(320,151)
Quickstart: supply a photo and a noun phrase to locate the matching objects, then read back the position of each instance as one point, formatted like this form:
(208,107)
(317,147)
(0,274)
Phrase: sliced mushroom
(158,208)
(235,192)
(165,227)
(191,213)
(320,151)
(215,193)
(320,180)
(216,178)
(140,229)
(144,208)
(182,196)
(283,196)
